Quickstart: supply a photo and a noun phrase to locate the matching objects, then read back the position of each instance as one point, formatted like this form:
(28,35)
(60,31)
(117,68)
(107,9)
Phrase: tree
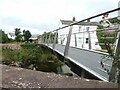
(3,37)
(18,35)
(107,36)
(114,20)
(26,35)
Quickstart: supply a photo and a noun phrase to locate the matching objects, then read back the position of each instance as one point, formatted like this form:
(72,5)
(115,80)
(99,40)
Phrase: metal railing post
(68,42)
(114,73)
(115,70)
(40,40)
(75,40)
(55,38)
(117,54)
(49,39)
(89,37)
(45,38)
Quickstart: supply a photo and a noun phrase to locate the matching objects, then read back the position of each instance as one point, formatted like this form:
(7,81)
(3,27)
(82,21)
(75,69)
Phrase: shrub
(29,56)
(9,56)
(105,37)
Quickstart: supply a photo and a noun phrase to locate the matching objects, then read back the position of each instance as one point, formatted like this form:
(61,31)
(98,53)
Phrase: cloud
(10,21)
(13,21)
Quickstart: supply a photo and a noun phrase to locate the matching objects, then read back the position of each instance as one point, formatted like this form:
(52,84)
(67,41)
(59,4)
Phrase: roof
(11,34)
(68,22)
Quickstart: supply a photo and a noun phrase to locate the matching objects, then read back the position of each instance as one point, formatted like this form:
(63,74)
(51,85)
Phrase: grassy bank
(31,56)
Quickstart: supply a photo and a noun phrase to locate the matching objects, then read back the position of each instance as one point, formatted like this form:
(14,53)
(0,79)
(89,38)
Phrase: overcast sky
(44,15)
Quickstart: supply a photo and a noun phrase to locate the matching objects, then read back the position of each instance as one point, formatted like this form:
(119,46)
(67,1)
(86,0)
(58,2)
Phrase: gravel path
(13,77)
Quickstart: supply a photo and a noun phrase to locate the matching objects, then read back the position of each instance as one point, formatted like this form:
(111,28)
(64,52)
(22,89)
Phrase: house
(78,35)
(11,36)
(34,36)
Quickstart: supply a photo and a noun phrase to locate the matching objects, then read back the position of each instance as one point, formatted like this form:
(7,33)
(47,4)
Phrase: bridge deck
(88,60)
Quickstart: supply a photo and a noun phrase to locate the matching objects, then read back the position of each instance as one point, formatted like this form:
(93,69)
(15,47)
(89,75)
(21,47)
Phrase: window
(86,40)
(96,43)
(79,37)
(79,28)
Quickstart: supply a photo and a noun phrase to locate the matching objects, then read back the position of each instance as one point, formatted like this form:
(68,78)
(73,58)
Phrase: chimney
(73,18)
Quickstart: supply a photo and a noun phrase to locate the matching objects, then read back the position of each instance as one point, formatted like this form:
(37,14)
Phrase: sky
(40,16)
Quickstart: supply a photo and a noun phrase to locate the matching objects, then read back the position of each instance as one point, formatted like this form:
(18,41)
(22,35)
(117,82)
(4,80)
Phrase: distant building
(34,36)
(81,38)
(11,36)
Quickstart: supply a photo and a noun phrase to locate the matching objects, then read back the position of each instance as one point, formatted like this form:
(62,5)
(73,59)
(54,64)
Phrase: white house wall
(80,37)
(11,37)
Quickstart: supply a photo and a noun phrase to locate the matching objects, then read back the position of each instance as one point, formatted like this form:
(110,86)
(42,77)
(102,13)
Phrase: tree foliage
(106,36)
(3,37)
(114,20)
(18,35)
(26,35)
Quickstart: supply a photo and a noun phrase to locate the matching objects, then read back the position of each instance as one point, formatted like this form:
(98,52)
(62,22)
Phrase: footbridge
(87,46)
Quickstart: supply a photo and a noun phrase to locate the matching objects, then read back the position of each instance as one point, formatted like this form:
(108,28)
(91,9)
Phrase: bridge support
(82,73)
(75,40)
(55,38)
(49,39)
(45,38)
(89,37)
(115,70)
(68,42)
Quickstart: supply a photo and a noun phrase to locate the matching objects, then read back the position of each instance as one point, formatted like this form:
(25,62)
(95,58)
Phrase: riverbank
(14,77)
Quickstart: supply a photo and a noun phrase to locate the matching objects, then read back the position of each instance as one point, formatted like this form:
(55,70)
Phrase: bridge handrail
(110,11)
(47,39)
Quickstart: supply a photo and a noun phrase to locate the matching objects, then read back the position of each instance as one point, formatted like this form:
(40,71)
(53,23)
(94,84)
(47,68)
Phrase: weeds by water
(31,56)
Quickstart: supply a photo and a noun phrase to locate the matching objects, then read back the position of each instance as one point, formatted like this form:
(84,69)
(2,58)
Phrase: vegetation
(108,38)
(31,56)
(114,20)
(105,37)
(3,37)
(26,35)
(18,35)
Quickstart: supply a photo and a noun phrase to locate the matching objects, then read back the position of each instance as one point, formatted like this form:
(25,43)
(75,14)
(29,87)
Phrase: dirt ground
(13,77)
(12,46)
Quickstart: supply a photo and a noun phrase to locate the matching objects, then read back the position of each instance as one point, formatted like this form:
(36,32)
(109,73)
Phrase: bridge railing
(106,34)
(110,32)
